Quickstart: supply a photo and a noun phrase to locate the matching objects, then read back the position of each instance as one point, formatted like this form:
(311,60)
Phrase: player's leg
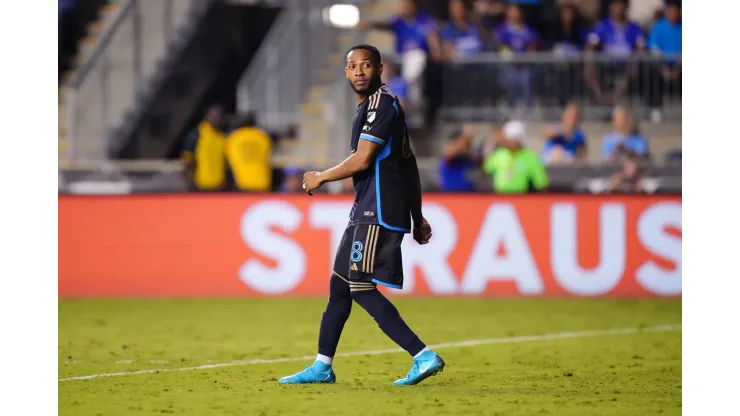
(333,319)
(376,259)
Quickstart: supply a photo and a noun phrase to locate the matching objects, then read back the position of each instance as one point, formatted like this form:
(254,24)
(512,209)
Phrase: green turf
(634,374)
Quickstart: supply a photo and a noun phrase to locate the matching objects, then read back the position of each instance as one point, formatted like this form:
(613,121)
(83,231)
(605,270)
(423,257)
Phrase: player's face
(363,74)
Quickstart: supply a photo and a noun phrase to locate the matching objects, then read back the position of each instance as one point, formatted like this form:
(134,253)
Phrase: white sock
(422,352)
(324,359)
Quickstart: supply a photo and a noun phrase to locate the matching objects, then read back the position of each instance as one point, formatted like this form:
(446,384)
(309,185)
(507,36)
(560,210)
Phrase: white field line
(470,343)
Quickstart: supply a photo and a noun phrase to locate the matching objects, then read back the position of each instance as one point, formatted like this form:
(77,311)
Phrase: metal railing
(105,86)
(538,85)
(285,67)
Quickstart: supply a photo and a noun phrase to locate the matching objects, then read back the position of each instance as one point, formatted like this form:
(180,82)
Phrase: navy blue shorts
(370,254)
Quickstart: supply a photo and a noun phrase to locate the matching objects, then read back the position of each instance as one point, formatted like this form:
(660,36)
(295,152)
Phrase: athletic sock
(335,316)
(389,320)
(419,354)
(324,359)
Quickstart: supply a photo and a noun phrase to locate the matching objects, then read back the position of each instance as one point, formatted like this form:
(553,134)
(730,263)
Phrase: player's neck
(363,97)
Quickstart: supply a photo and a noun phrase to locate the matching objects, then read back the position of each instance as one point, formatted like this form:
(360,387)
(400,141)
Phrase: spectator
(568,142)
(203,152)
(515,37)
(248,149)
(461,36)
(623,141)
(629,179)
(569,32)
(457,166)
(293,180)
(395,82)
(665,38)
(419,48)
(515,168)
(491,13)
(618,38)
(568,39)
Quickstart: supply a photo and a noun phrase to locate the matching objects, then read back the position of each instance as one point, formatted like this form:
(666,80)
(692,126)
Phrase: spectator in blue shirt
(420,51)
(568,142)
(461,36)
(395,83)
(624,141)
(413,30)
(665,39)
(515,37)
(457,167)
(619,38)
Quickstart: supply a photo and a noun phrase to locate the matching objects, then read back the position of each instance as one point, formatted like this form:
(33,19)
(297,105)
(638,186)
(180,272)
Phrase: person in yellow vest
(204,152)
(248,150)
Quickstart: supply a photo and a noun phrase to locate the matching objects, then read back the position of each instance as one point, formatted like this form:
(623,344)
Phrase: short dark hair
(374,52)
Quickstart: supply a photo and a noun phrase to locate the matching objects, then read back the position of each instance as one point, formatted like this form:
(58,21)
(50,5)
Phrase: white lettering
(650,230)
(431,258)
(501,226)
(289,256)
(335,217)
(564,250)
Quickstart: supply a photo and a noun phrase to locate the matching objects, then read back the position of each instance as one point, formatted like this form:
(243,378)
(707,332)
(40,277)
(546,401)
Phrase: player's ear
(380,68)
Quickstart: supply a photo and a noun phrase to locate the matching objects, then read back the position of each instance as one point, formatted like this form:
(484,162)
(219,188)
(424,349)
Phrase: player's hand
(311,181)
(422,231)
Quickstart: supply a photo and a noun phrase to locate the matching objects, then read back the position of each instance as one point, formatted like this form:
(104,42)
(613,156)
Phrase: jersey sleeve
(382,111)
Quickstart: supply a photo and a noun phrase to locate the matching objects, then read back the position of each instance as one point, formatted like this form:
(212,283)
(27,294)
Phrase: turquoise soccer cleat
(316,373)
(427,365)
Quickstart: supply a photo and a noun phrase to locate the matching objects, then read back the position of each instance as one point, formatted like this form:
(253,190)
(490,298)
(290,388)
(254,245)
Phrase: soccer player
(387,196)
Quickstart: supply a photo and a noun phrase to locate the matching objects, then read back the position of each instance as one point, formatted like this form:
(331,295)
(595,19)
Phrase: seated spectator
(203,152)
(623,141)
(665,38)
(461,36)
(248,149)
(515,37)
(567,143)
(514,167)
(619,38)
(293,180)
(457,166)
(629,179)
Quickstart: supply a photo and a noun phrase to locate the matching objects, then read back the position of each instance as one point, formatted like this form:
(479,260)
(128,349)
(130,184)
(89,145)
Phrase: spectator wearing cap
(457,167)
(567,142)
(665,39)
(624,141)
(515,168)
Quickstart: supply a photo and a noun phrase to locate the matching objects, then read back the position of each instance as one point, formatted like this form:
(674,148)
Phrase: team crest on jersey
(371,117)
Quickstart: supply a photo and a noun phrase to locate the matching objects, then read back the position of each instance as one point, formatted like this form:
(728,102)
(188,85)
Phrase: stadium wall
(231,245)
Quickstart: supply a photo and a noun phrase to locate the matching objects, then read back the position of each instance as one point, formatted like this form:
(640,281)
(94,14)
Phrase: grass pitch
(618,374)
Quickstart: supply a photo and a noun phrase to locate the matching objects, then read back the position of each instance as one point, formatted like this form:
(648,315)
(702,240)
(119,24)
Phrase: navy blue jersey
(383,191)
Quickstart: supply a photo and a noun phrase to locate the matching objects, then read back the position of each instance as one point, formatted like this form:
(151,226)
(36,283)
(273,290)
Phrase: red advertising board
(194,245)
